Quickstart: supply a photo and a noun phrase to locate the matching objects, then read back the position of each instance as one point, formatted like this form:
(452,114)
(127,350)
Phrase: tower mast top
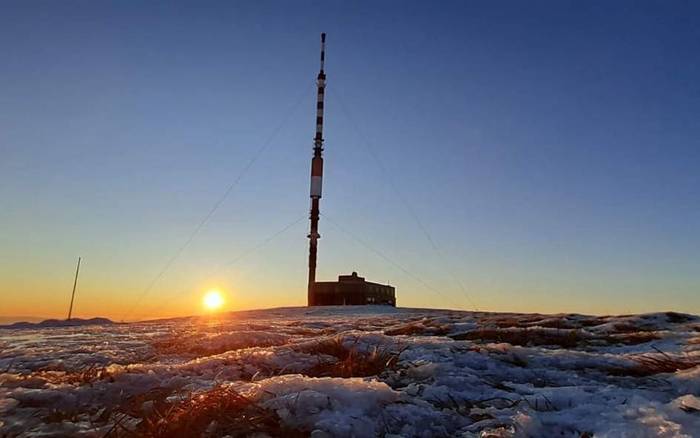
(316,173)
(323,53)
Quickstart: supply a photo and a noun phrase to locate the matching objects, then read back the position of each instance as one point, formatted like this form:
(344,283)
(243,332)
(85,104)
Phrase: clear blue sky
(549,149)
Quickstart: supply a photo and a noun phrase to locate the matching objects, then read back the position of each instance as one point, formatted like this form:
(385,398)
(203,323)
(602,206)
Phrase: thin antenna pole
(75,284)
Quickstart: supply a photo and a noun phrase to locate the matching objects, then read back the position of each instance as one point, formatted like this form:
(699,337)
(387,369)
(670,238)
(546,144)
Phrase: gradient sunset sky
(550,150)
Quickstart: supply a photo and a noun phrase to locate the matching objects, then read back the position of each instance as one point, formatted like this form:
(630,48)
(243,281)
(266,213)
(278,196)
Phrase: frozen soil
(357,372)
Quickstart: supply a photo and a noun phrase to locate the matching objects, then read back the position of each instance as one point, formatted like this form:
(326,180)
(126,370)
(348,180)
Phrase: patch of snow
(508,385)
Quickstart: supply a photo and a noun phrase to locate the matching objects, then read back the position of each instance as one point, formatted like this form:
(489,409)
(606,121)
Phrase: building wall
(352,290)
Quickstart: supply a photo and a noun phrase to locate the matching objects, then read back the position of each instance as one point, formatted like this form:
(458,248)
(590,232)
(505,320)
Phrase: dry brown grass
(679,318)
(556,323)
(351,361)
(82,376)
(169,345)
(651,365)
(202,344)
(427,328)
(631,338)
(627,327)
(217,412)
(523,337)
(504,321)
(559,338)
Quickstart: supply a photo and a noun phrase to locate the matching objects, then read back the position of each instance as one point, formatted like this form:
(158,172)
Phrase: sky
(505,156)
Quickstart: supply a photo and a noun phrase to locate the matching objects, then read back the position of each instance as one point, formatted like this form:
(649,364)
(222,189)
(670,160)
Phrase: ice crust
(440,386)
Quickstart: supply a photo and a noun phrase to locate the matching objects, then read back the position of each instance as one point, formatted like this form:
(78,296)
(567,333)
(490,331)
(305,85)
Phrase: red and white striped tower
(316,174)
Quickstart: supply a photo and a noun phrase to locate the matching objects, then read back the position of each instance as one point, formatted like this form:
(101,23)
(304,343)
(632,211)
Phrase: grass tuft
(420,328)
(564,338)
(646,365)
(523,337)
(217,412)
(85,375)
(351,361)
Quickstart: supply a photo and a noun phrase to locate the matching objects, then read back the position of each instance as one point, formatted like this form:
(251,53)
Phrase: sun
(213,300)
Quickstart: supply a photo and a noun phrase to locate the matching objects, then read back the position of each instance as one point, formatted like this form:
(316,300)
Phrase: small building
(351,290)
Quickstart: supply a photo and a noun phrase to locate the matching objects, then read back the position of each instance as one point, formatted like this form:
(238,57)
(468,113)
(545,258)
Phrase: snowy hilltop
(357,372)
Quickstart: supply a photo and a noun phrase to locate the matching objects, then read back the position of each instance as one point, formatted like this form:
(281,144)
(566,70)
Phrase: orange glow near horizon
(28,296)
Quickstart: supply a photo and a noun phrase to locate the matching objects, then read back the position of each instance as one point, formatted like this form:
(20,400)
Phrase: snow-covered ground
(357,372)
